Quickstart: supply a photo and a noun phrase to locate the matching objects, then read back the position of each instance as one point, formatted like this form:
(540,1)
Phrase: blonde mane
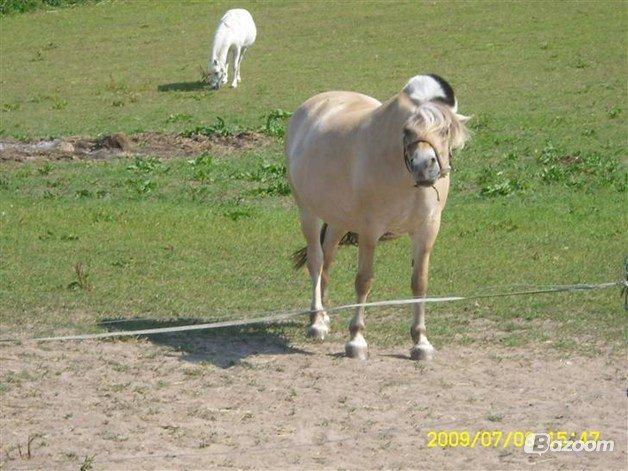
(434,117)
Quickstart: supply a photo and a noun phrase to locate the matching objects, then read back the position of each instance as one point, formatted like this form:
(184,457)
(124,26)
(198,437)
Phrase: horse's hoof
(318,331)
(357,348)
(423,351)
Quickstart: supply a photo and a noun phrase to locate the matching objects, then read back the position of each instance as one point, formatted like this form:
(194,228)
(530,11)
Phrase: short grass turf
(210,239)
(538,196)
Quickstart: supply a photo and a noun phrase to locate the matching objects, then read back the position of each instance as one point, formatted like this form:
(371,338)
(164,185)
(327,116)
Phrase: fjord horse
(373,169)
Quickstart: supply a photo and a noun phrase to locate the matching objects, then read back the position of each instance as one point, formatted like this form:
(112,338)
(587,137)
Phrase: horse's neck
(222,43)
(394,113)
(387,121)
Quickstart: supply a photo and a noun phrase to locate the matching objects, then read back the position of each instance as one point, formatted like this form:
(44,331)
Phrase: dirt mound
(246,401)
(121,145)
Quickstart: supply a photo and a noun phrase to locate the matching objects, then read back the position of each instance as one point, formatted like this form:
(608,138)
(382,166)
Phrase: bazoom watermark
(540,443)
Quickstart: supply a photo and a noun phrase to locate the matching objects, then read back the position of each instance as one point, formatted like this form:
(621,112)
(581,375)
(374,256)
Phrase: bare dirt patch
(120,145)
(247,400)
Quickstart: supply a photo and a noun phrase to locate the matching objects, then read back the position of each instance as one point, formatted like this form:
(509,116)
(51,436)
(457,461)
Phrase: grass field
(539,196)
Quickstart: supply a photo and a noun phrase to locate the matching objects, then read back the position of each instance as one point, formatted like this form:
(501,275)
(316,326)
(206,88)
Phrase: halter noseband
(406,157)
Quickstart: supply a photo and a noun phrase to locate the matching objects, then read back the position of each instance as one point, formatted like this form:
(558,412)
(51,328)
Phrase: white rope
(290,314)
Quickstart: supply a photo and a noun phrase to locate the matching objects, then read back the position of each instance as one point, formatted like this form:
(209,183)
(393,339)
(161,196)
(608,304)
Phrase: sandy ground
(251,401)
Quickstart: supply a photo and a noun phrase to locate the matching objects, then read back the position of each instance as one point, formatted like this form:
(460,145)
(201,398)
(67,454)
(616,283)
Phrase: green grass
(534,72)
(538,197)
(21,6)
(207,238)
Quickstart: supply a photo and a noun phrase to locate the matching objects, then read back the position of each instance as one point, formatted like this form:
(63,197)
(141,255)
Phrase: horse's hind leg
(319,320)
(356,347)
(330,242)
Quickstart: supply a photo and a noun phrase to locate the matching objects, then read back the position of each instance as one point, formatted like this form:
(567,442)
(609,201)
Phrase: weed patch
(276,123)
(218,128)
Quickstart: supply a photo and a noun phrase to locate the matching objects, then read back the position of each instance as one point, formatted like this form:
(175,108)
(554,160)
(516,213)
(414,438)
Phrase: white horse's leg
(422,243)
(330,244)
(319,320)
(238,78)
(356,347)
(235,65)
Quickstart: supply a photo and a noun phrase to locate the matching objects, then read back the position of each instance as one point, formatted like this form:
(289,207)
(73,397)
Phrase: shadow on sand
(183,87)
(224,347)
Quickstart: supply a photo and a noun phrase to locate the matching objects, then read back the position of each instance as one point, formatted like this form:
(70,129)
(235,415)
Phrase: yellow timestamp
(499,438)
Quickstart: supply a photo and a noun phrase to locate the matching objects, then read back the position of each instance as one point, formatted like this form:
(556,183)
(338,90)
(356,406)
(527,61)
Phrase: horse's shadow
(182,86)
(223,347)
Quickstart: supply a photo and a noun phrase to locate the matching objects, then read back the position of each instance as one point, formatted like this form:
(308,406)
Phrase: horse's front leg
(422,243)
(235,65)
(356,347)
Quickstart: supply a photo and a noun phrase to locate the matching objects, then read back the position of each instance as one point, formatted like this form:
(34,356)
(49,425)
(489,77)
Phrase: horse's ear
(462,118)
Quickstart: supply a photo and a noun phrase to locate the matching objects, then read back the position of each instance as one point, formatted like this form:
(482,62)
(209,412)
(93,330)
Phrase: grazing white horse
(374,170)
(236,32)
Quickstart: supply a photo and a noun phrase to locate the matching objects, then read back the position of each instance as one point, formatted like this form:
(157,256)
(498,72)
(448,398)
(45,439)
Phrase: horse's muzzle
(425,171)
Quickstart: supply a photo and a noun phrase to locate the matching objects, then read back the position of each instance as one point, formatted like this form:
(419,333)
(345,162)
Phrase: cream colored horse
(373,169)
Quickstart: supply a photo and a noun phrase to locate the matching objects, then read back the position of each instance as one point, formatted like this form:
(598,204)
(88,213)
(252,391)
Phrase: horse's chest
(407,214)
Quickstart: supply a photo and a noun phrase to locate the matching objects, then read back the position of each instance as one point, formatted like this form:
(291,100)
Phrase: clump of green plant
(276,123)
(238,212)
(142,170)
(578,170)
(142,186)
(217,128)
(203,168)
(277,188)
(496,183)
(269,171)
(10,107)
(45,169)
(147,165)
(179,117)
(614,112)
(274,174)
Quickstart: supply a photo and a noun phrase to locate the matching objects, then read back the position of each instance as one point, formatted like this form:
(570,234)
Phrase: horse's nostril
(433,160)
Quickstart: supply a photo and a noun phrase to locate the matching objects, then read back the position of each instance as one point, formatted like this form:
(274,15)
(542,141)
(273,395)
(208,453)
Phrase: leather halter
(406,157)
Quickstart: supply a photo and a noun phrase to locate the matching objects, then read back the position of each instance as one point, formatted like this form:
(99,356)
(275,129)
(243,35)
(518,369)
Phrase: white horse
(236,32)
(375,170)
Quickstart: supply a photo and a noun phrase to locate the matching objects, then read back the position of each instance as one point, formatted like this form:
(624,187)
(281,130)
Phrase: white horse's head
(434,130)
(429,137)
(216,75)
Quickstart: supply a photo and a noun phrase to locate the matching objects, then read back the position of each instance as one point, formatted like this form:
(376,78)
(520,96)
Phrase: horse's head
(429,137)
(216,75)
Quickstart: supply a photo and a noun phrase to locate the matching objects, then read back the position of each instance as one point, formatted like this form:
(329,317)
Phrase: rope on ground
(290,314)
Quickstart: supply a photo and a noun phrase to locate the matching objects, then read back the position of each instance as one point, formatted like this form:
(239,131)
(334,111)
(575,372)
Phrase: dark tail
(299,257)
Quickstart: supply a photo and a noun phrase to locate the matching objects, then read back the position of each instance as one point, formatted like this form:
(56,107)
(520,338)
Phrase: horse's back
(330,118)
(324,138)
(240,21)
